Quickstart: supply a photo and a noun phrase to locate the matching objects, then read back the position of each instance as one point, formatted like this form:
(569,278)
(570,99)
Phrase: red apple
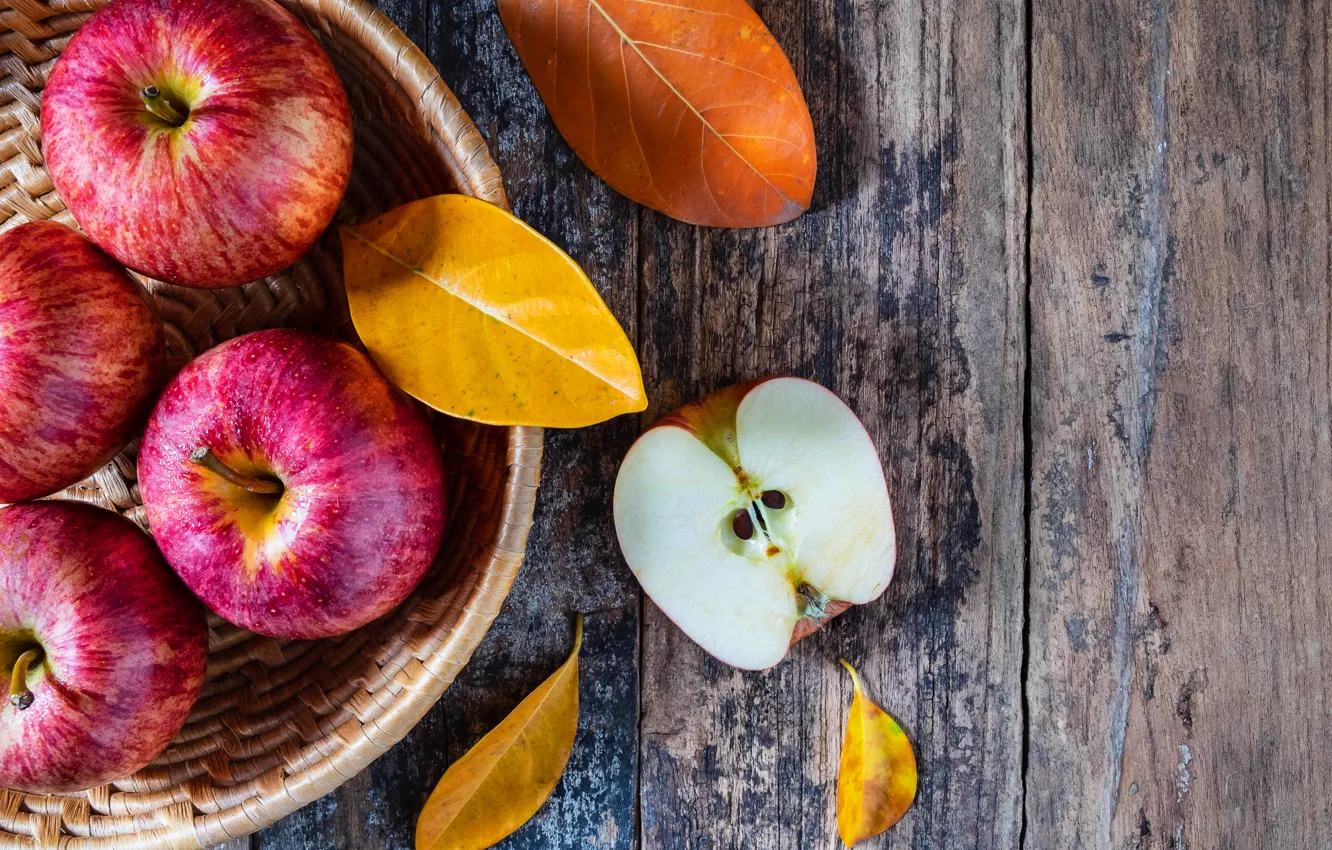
(81,357)
(200,142)
(755,515)
(102,648)
(292,487)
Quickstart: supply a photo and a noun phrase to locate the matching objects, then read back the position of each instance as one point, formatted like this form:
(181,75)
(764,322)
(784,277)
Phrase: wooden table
(1070,262)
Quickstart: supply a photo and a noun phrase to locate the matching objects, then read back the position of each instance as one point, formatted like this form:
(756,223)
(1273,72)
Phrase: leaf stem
(855,678)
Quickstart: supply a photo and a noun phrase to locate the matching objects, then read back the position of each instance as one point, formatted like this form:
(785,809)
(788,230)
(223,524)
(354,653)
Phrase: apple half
(755,515)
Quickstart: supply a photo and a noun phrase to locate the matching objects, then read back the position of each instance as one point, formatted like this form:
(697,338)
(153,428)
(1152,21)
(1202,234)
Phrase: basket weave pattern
(280,724)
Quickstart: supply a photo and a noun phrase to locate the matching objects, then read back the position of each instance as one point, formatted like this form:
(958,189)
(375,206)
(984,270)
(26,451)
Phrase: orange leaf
(468,309)
(687,106)
(876,783)
(502,781)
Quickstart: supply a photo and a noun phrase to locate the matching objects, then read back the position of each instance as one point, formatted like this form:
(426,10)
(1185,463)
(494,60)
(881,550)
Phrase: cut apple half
(755,515)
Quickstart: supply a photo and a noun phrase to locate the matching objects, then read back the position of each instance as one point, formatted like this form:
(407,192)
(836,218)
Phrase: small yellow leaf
(476,314)
(502,781)
(877,780)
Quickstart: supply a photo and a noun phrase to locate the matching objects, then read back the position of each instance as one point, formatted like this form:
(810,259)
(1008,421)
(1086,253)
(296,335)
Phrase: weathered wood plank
(903,290)
(572,562)
(1097,262)
(1180,593)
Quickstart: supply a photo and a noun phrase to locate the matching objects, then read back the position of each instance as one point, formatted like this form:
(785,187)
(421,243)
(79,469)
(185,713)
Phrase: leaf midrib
(670,85)
(554,681)
(487,310)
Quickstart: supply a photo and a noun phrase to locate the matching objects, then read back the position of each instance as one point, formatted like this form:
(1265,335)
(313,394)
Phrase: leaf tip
(578,633)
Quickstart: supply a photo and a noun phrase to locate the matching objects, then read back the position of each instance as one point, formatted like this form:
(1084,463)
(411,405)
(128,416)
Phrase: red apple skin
(363,510)
(126,647)
(81,359)
(245,185)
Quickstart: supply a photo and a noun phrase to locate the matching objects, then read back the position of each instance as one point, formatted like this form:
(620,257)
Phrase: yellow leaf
(476,314)
(877,780)
(502,781)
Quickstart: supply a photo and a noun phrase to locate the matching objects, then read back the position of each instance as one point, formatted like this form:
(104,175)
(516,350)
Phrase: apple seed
(743,525)
(774,499)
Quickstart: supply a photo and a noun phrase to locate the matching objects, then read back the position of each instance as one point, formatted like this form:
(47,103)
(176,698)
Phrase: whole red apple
(291,486)
(81,357)
(200,142)
(103,649)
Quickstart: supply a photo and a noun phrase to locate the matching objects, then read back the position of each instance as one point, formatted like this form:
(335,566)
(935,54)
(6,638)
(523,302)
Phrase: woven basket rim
(176,824)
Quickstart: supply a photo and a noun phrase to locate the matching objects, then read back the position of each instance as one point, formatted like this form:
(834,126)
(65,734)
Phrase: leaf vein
(712,59)
(633,127)
(670,85)
(488,310)
(692,11)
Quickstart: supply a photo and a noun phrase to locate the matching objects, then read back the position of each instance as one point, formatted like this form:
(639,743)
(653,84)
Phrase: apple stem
(203,456)
(19,695)
(161,107)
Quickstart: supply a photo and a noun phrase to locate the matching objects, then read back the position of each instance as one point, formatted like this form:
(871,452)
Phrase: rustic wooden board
(903,289)
(1180,594)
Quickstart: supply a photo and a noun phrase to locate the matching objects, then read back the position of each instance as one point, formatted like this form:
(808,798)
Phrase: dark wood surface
(1070,263)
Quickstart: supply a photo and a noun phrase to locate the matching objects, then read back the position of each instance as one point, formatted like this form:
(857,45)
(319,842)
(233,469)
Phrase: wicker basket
(280,724)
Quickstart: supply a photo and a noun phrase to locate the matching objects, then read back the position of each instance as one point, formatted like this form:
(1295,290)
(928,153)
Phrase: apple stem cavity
(157,104)
(203,456)
(19,695)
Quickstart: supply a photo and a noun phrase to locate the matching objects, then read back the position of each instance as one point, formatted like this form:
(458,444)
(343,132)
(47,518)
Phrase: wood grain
(903,290)
(1180,590)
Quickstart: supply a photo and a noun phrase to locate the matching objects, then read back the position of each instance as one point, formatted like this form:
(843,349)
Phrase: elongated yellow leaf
(502,781)
(876,783)
(476,314)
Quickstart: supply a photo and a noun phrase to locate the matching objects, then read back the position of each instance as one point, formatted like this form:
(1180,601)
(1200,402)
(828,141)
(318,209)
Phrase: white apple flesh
(755,515)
